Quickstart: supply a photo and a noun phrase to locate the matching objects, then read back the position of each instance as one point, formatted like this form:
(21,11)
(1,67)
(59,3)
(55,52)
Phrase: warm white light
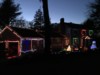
(69,48)
(87,37)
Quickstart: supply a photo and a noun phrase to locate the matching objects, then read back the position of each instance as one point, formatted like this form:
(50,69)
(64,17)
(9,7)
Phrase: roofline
(8,27)
(27,38)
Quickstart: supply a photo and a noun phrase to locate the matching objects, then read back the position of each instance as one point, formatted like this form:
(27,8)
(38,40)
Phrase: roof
(23,32)
(26,32)
(73,25)
(57,34)
(54,34)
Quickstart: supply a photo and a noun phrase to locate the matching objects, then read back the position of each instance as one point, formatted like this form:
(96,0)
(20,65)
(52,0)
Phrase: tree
(8,12)
(88,24)
(94,13)
(38,20)
(47,26)
(20,22)
(31,25)
(95,17)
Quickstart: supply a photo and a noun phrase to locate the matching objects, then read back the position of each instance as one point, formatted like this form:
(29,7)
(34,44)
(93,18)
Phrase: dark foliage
(8,12)
(89,24)
(69,64)
(38,19)
(95,13)
(94,19)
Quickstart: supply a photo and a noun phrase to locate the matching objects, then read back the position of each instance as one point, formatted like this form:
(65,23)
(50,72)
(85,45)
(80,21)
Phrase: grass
(69,64)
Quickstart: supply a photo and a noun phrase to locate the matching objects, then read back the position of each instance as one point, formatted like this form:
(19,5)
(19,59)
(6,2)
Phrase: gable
(8,34)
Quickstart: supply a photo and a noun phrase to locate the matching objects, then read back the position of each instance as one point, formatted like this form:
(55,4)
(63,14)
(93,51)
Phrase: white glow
(32,38)
(11,41)
(4,29)
(87,37)
(69,48)
(93,46)
(16,34)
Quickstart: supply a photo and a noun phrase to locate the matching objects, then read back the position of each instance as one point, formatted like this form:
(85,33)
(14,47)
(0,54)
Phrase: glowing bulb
(69,48)
(93,46)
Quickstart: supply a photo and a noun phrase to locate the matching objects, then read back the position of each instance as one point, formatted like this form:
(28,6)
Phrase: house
(20,40)
(80,37)
(56,41)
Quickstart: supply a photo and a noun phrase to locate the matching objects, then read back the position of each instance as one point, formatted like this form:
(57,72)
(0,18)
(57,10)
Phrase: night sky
(72,10)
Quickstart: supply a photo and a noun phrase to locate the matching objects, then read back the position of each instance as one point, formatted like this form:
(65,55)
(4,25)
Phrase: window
(26,45)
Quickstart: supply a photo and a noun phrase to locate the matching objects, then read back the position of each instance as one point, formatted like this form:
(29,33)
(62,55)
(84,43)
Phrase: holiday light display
(69,48)
(15,44)
(90,32)
(93,46)
(75,44)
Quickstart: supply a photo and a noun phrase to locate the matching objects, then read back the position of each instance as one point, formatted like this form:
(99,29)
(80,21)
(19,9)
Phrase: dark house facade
(80,37)
(65,36)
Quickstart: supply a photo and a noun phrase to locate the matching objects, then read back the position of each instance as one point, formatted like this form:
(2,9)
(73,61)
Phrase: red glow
(11,57)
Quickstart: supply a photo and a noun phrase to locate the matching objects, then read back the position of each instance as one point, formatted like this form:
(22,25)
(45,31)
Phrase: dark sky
(72,10)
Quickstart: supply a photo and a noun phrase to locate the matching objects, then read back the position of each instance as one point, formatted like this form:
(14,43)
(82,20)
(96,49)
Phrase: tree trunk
(47,26)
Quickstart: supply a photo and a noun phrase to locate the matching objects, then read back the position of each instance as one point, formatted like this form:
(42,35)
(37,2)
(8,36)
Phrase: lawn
(72,63)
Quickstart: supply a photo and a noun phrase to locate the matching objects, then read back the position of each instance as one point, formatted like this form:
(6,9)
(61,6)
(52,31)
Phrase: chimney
(62,20)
